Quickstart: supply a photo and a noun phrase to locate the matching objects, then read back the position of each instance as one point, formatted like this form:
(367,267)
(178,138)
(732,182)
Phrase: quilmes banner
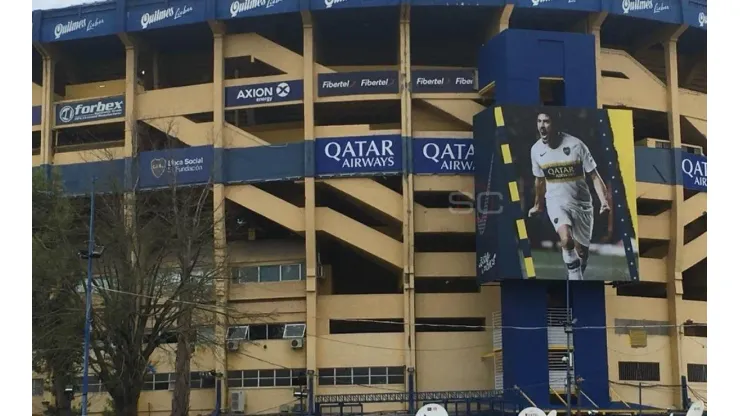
(186,166)
(443,156)
(590,5)
(155,16)
(664,10)
(352,83)
(358,155)
(271,92)
(232,9)
(90,110)
(694,171)
(441,81)
(575,175)
(78,26)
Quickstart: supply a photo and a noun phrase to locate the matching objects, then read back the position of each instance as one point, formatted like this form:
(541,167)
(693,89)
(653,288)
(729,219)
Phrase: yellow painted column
(595,20)
(501,22)
(409,311)
(47,109)
(130,145)
(220,252)
(675,263)
(309,133)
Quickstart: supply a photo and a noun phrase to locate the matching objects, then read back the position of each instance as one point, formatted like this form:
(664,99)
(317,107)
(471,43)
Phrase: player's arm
(590,166)
(539,185)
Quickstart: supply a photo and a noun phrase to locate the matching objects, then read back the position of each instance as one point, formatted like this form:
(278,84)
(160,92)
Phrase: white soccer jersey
(564,170)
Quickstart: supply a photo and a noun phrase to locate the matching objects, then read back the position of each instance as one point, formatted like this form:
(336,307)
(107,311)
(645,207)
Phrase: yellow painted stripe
(529,266)
(521,229)
(514,191)
(506,153)
(499,114)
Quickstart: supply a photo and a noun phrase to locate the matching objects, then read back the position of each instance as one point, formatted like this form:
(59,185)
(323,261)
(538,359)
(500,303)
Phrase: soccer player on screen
(560,163)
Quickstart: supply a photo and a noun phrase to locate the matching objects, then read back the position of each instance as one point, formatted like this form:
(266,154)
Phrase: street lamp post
(569,343)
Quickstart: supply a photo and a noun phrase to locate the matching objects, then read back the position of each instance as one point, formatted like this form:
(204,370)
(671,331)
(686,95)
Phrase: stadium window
(94,385)
(237,333)
(38,386)
(268,273)
(552,91)
(294,331)
(655,290)
(449,285)
(695,330)
(201,380)
(639,371)
(450,324)
(339,326)
(205,334)
(267,378)
(697,373)
(360,376)
(160,381)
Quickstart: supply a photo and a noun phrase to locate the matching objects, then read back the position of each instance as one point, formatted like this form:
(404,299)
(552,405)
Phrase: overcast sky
(56,4)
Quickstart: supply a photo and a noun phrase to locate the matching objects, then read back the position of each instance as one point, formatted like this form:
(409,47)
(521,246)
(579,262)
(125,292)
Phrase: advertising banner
(694,171)
(444,81)
(695,13)
(270,92)
(587,5)
(574,171)
(165,15)
(36,115)
(664,10)
(78,26)
(185,166)
(90,110)
(352,83)
(346,4)
(359,155)
(443,156)
(232,9)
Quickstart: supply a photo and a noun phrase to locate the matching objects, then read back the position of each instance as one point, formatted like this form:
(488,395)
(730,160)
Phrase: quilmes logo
(330,3)
(161,165)
(702,19)
(239,7)
(362,153)
(264,94)
(74,25)
(641,5)
(456,157)
(158,15)
(81,112)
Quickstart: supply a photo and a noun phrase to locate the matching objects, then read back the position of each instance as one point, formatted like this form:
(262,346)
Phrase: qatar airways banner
(382,154)
(694,171)
(443,156)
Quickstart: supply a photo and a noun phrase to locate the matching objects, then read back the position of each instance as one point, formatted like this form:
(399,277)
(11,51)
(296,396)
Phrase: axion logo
(702,19)
(74,113)
(239,7)
(264,94)
(330,3)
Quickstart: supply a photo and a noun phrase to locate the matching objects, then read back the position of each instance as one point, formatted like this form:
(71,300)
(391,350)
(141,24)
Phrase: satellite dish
(696,409)
(553,413)
(532,411)
(432,409)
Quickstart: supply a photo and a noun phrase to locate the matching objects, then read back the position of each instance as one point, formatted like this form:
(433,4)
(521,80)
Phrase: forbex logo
(71,113)
(239,7)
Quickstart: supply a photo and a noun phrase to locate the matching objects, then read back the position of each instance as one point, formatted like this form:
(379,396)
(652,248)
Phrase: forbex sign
(271,92)
(355,155)
(439,156)
(90,110)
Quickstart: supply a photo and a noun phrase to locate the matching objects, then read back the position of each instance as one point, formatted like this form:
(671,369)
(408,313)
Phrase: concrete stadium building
(338,135)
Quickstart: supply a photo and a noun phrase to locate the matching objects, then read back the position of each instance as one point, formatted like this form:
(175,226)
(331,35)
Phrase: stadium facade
(339,136)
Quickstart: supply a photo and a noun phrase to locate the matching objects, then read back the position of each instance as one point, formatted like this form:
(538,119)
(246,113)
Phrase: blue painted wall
(590,353)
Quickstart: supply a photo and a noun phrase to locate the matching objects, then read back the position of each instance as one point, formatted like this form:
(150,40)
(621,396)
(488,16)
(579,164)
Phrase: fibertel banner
(567,194)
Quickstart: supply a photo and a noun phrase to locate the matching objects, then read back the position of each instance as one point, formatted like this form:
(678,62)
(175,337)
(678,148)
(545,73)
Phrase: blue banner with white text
(353,83)
(444,81)
(695,13)
(90,110)
(232,9)
(267,93)
(694,171)
(358,155)
(165,14)
(77,26)
(443,156)
(584,5)
(185,166)
(346,4)
(36,115)
(668,11)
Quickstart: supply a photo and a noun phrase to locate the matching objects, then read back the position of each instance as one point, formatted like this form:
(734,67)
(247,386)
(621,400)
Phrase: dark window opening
(354,272)
(380,114)
(374,326)
(695,229)
(652,207)
(653,249)
(36,142)
(695,330)
(93,137)
(639,371)
(347,376)
(151,138)
(552,92)
(446,285)
(445,242)
(443,199)
(374,39)
(695,282)
(450,324)
(248,67)
(654,290)
(613,74)
(697,373)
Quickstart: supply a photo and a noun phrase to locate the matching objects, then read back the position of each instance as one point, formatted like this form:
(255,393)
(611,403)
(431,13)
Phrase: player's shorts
(580,218)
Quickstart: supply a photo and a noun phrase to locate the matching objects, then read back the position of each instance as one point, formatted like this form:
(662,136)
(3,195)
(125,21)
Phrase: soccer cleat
(574,270)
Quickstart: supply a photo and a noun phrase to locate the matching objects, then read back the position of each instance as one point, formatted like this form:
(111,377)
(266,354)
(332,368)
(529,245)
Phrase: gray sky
(56,4)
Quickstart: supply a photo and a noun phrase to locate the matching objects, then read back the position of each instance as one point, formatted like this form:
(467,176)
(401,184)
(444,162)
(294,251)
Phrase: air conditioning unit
(238,402)
(296,343)
(232,345)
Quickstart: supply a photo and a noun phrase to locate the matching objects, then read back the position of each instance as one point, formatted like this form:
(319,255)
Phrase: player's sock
(584,259)
(573,264)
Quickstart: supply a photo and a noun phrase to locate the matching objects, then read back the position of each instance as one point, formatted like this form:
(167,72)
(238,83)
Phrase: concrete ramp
(188,132)
(268,205)
(371,193)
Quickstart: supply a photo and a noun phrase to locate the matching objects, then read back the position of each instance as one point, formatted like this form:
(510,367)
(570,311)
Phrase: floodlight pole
(88,301)
(569,343)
